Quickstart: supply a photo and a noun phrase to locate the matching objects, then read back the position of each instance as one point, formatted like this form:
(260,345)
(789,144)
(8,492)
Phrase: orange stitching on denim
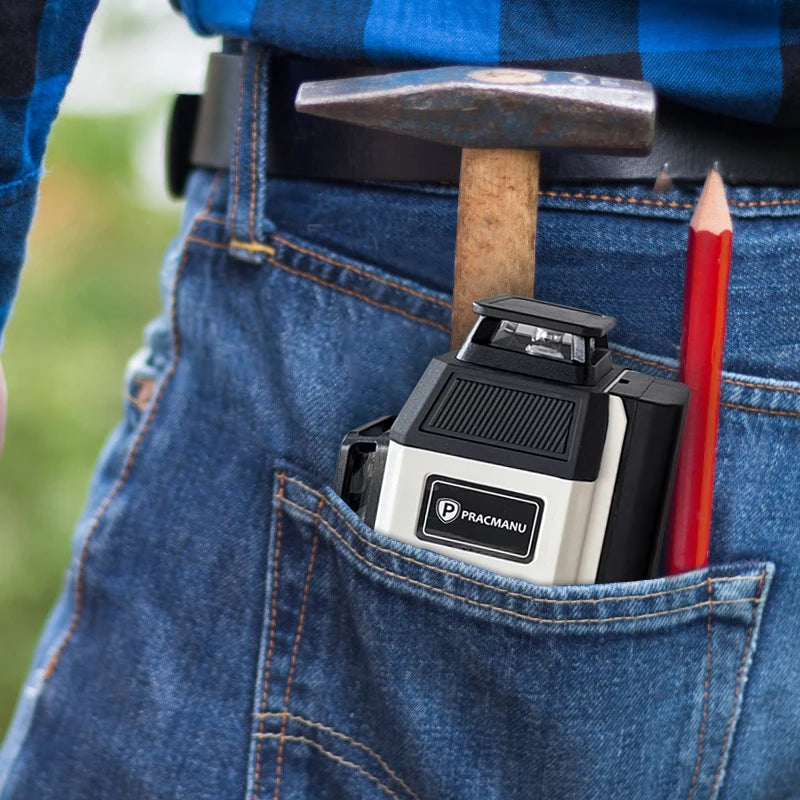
(768,386)
(295,649)
(252,247)
(508,592)
(706,683)
(360,296)
(238,141)
(338,759)
(365,298)
(258,247)
(273,616)
(215,220)
(132,453)
(773,411)
(254,137)
(787,201)
(619,353)
(207,242)
(646,361)
(617,199)
(345,738)
(362,272)
(738,687)
(734,381)
(509,612)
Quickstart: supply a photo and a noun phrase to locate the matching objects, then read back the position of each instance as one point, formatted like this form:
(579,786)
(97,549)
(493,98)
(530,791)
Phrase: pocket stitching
(361,272)
(706,691)
(300,274)
(779,392)
(353,293)
(338,759)
(350,740)
(327,284)
(511,612)
(737,690)
(733,381)
(271,634)
(295,649)
(501,590)
(428,298)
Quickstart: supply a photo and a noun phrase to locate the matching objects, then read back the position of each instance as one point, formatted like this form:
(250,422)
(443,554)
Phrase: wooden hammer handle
(495,244)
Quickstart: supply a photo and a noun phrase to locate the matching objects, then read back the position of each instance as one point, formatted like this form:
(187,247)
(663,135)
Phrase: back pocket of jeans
(390,670)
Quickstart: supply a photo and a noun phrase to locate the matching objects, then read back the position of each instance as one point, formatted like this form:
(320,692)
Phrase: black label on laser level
(480,518)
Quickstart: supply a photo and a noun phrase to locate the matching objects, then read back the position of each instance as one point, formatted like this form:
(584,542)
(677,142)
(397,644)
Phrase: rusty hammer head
(494,108)
(501,117)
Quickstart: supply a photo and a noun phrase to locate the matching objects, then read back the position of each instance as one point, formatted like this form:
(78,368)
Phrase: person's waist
(688,141)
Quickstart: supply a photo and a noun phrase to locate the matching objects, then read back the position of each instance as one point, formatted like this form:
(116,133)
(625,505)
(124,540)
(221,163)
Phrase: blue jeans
(230,629)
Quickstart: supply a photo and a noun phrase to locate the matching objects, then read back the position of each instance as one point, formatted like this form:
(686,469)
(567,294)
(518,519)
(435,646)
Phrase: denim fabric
(229,628)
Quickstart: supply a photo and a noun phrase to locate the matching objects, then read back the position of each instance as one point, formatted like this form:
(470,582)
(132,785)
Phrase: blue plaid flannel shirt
(736,57)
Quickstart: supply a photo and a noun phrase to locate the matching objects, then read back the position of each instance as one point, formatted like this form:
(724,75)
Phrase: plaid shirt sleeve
(39,45)
(734,57)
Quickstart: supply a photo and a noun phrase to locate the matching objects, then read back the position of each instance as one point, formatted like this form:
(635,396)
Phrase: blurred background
(89,285)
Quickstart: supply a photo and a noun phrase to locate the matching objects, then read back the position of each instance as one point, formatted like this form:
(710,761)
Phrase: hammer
(501,117)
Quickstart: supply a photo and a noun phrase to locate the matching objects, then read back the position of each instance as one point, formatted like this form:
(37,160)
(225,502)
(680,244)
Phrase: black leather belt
(302,146)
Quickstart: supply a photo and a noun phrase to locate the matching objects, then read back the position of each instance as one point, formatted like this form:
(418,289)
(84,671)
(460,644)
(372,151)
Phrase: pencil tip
(711,212)
(663,181)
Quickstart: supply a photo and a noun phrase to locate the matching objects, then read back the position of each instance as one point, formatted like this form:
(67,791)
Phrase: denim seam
(315,254)
(295,649)
(132,453)
(207,242)
(363,273)
(273,615)
(786,201)
(364,297)
(508,592)
(338,759)
(328,284)
(237,147)
(733,381)
(507,611)
(706,691)
(616,199)
(345,738)
(213,220)
(775,412)
(255,246)
(254,140)
(737,691)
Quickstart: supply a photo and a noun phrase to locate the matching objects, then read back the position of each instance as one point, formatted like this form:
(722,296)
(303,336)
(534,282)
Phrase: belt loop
(248,175)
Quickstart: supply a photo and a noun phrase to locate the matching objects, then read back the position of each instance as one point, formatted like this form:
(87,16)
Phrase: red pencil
(702,338)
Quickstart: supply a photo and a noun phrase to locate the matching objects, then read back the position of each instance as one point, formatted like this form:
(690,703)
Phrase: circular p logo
(447,510)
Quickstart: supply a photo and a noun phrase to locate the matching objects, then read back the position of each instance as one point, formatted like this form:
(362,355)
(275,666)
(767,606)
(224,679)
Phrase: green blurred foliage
(89,286)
